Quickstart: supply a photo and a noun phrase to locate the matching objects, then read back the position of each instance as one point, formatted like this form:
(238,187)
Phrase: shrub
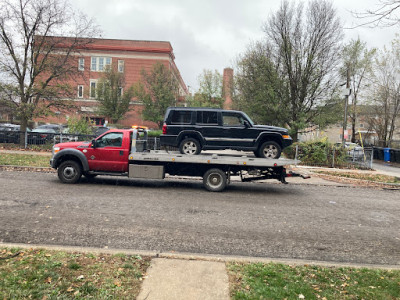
(319,152)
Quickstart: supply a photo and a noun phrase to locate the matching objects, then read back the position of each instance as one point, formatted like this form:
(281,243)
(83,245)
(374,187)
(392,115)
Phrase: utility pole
(346,101)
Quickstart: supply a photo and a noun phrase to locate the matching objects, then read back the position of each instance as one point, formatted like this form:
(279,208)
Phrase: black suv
(196,129)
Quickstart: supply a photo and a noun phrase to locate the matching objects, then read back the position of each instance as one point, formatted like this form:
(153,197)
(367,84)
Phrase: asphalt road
(325,223)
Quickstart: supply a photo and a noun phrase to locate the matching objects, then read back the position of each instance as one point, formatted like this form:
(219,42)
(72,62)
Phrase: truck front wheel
(215,180)
(69,172)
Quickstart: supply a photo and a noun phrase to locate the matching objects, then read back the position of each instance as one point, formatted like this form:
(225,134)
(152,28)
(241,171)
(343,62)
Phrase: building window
(98,64)
(81,64)
(121,66)
(80,91)
(120,91)
(93,85)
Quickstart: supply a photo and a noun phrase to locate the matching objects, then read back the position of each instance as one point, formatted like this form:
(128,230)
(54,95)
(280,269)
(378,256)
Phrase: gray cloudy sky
(208,34)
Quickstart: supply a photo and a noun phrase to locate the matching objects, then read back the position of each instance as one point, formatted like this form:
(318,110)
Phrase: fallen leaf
(301,296)
(117,283)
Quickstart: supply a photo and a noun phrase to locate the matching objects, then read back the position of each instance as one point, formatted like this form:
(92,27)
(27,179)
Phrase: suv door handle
(121,152)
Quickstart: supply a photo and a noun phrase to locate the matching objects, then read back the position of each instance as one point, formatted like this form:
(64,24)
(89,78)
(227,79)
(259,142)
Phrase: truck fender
(59,157)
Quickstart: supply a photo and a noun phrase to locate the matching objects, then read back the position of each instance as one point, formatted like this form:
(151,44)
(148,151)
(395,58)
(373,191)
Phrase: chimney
(227,82)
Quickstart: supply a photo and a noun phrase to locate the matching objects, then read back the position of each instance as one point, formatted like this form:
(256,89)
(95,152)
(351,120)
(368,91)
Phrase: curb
(27,169)
(203,257)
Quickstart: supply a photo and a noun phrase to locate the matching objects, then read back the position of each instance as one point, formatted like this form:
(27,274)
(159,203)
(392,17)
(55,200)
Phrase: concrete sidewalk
(177,279)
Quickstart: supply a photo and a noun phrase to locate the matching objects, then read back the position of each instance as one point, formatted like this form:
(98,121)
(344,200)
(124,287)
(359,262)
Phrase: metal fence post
(372,158)
(26,138)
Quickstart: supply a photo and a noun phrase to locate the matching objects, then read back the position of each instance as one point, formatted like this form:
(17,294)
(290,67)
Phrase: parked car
(56,127)
(196,129)
(353,150)
(99,130)
(9,133)
(40,136)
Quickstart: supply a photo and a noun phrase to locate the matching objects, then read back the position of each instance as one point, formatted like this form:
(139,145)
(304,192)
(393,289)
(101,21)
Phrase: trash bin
(379,153)
(386,154)
(397,156)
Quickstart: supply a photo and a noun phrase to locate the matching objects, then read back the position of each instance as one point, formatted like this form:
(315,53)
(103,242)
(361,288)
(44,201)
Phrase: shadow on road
(181,184)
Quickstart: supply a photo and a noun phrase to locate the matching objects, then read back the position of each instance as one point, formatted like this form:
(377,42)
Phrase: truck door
(110,153)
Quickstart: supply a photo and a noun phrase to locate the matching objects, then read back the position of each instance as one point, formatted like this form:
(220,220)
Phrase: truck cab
(108,153)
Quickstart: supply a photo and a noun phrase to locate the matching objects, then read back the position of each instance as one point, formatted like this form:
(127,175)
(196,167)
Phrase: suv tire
(69,172)
(190,146)
(270,150)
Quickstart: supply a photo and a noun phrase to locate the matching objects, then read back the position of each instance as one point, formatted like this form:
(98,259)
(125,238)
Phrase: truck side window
(112,139)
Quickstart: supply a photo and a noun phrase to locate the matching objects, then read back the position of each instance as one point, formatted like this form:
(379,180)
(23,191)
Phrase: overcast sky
(208,34)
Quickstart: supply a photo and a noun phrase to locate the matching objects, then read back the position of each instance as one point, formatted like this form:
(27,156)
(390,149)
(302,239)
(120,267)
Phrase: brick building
(129,57)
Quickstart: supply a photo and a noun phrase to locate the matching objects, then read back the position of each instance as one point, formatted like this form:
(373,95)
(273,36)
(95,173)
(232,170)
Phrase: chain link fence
(334,158)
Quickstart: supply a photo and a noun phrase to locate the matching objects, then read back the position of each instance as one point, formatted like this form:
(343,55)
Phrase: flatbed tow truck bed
(215,169)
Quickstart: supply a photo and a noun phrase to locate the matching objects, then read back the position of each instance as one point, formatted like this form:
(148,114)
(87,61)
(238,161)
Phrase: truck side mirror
(93,143)
(246,123)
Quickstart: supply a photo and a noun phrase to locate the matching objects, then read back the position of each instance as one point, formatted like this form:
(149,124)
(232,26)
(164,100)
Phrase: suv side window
(207,117)
(232,119)
(181,117)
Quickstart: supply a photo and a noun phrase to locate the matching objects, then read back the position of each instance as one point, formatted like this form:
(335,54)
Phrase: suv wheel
(270,150)
(190,146)
(69,172)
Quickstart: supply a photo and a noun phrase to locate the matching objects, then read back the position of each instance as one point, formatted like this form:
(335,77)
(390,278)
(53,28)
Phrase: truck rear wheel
(69,172)
(215,180)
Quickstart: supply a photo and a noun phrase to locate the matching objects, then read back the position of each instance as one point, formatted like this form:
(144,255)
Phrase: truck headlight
(55,150)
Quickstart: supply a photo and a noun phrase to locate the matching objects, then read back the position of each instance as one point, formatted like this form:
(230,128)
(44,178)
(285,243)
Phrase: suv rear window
(181,117)
(207,117)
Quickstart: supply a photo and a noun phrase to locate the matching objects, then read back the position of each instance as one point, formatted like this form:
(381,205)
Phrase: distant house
(128,56)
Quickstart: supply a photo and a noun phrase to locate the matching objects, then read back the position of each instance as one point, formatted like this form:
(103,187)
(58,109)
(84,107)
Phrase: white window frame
(79,94)
(81,64)
(121,66)
(99,63)
(92,81)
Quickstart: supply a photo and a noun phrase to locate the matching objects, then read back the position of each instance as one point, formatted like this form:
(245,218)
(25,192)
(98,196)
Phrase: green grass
(27,160)
(42,274)
(379,178)
(278,281)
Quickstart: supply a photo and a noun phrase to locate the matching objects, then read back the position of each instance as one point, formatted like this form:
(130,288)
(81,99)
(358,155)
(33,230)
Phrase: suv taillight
(164,129)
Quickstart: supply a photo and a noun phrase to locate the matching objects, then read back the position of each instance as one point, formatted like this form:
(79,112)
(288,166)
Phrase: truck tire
(190,146)
(270,150)
(215,180)
(69,172)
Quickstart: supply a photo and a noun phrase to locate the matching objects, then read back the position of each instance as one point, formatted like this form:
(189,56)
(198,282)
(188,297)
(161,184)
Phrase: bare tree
(384,15)
(386,94)
(158,90)
(38,42)
(305,48)
(357,62)
(259,91)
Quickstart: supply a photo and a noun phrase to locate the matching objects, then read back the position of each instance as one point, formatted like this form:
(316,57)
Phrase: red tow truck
(122,152)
